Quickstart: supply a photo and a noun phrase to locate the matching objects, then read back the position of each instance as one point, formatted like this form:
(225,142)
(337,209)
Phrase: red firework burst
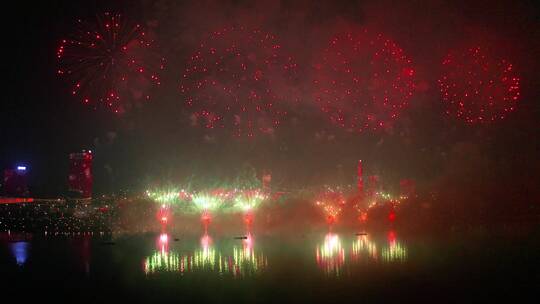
(237,79)
(477,87)
(109,62)
(363,81)
(331,202)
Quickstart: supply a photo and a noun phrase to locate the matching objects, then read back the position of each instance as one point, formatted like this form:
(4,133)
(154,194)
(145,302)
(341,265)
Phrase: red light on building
(80,178)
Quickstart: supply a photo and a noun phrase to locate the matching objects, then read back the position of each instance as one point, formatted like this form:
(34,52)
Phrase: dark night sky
(40,124)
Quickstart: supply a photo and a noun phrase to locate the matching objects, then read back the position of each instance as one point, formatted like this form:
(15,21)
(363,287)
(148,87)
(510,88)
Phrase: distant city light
(21,168)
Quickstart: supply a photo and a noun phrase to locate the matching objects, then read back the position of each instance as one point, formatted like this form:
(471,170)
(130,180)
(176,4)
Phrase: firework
(477,87)
(109,62)
(249,200)
(363,81)
(331,202)
(169,196)
(163,197)
(236,80)
(206,203)
(225,194)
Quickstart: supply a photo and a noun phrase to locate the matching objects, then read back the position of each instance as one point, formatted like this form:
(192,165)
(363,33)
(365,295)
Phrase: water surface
(316,267)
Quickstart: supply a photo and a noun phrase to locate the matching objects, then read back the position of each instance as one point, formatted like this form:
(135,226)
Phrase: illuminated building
(15,182)
(80,174)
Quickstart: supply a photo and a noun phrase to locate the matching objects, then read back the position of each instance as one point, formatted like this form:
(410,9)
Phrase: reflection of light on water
(243,261)
(395,252)
(331,255)
(164,242)
(204,258)
(162,262)
(362,246)
(206,242)
(20,251)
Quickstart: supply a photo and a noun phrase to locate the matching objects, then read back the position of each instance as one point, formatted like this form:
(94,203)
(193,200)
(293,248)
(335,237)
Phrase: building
(80,177)
(15,182)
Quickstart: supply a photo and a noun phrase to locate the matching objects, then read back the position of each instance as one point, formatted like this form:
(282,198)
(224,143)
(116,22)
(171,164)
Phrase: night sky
(156,141)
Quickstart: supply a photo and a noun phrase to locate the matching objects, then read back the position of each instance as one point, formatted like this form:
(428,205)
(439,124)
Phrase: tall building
(15,182)
(80,178)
